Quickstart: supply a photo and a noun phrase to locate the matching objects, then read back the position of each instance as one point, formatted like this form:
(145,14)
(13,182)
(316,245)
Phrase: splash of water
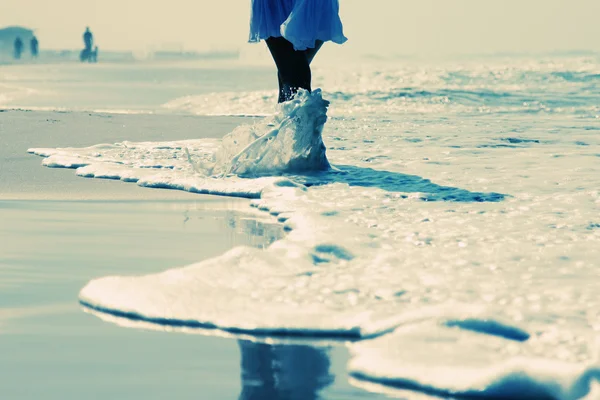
(290,142)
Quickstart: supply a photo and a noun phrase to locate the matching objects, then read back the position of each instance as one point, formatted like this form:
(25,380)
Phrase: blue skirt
(302,22)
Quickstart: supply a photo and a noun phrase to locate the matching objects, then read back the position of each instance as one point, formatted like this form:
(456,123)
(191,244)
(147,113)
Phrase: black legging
(293,66)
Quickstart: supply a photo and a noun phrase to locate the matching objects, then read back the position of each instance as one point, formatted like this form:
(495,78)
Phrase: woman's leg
(311,53)
(293,67)
(282,88)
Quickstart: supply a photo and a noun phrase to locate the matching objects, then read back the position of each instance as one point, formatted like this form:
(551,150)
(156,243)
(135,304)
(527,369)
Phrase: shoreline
(22,177)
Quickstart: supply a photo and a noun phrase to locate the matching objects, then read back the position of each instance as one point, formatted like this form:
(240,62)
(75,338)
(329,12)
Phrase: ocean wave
(556,86)
(394,101)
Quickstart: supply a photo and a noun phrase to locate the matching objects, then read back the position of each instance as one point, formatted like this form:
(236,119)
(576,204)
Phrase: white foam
(238,284)
(452,362)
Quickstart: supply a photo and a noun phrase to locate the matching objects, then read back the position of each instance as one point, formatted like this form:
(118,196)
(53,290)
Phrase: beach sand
(58,231)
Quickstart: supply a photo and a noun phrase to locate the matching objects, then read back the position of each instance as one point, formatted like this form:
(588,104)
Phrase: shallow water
(467,191)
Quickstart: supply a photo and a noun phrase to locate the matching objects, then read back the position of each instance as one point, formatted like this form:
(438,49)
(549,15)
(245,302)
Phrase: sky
(374,27)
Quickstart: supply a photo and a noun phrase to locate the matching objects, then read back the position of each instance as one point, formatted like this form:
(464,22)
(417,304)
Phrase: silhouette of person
(18,48)
(87,54)
(34,45)
(88,39)
(283,372)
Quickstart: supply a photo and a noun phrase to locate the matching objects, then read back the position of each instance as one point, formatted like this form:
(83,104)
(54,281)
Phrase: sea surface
(454,249)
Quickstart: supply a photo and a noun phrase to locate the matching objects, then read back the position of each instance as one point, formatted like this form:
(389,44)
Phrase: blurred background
(383,28)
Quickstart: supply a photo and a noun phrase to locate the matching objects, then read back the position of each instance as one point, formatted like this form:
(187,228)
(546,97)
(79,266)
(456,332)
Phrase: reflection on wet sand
(279,372)
(258,233)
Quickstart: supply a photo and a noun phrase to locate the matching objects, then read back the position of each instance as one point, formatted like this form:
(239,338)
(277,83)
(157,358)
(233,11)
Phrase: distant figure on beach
(294,31)
(18,48)
(34,47)
(88,39)
(87,54)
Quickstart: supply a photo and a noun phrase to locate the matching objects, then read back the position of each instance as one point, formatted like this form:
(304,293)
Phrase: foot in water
(291,142)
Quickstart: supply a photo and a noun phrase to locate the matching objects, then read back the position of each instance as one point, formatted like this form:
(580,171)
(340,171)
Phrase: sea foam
(449,362)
